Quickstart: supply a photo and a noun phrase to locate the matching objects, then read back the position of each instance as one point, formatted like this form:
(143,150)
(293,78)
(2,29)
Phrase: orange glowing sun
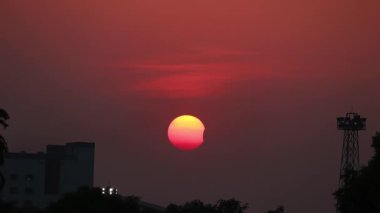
(186,132)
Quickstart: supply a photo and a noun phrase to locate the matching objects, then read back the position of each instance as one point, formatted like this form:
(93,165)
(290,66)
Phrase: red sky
(266,77)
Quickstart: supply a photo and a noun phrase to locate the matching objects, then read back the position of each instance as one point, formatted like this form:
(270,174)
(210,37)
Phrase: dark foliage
(361,194)
(197,206)
(279,209)
(6,207)
(190,207)
(231,206)
(3,117)
(3,145)
(9,208)
(91,200)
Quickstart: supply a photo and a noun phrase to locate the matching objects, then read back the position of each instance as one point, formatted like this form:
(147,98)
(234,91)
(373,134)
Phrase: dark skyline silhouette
(4,116)
(360,193)
(266,78)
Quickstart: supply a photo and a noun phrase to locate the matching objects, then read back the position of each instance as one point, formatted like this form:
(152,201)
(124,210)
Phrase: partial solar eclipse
(186,132)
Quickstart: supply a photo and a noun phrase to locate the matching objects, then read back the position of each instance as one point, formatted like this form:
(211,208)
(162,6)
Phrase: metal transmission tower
(351,125)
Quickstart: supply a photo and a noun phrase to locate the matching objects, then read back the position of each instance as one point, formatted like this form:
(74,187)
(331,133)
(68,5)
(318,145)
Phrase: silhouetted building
(36,179)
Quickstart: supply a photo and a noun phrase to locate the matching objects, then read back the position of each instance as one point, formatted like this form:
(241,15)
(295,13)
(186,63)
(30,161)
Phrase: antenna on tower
(351,124)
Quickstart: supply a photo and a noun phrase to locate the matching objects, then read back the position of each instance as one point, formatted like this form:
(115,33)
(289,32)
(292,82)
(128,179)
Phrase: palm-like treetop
(3,145)
(3,117)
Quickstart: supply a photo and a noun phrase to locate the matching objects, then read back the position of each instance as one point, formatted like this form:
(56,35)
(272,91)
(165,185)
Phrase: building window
(29,178)
(13,190)
(28,191)
(14,176)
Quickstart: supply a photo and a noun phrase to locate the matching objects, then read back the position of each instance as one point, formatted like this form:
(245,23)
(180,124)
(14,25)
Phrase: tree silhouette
(3,117)
(197,206)
(279,209)
(193,206)
(173,208)
(231,206)
(92,200)
(362,192)
(3,144)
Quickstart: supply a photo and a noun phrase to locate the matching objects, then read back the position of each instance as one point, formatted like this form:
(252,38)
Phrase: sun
(186,132)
